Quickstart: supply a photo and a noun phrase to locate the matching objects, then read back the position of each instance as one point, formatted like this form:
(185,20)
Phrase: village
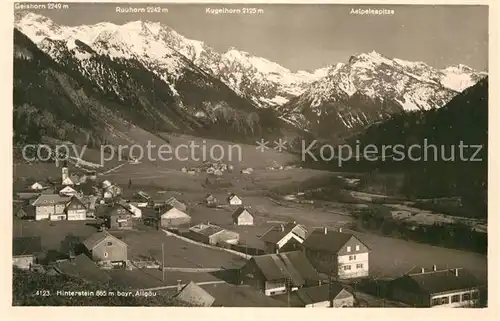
(216,250)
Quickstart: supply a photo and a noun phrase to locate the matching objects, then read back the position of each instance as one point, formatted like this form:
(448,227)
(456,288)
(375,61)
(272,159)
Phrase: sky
(308,36)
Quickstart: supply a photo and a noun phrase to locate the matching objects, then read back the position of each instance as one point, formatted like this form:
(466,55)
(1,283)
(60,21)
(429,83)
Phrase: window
(110,243)
(466,297)
(347,267)
(475,295)
(435,302)
(348,249)
(105,254)
(357,247)
(352,257)
(359,266)
(455,298)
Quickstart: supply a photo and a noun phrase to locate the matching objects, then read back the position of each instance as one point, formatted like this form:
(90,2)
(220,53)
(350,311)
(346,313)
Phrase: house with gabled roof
(25,251)
(284,237)
(172,201)
(233,199)
(171,216)
(213,234)
(194,295)
(23,211)
(242,217)
(37,186)
(448,288)
(90,202)
(82,267)
(104,247)
(336,253)
(279,273)
(327,295)
(50,207)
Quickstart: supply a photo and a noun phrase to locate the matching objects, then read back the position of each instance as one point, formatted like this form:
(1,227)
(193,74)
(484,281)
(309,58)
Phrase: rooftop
(240,210)
(211,230)
(83,267)
(437,281)
(228,295)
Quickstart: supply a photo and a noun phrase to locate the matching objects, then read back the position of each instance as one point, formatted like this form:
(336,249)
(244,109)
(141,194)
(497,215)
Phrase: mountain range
(147,74)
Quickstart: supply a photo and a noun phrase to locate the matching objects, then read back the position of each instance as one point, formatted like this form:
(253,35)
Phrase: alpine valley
(93,83)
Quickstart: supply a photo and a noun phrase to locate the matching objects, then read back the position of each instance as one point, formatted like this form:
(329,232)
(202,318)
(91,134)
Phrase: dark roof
(27,195)
(288,265)
(440,281)
(276,233)
(211,230)
(228,295)
(332,241)
(83,267)
(26,245)
(321,293)
(48,190)
(193,294)
(149,212)
(231,196)
(77,200)
(238,211)
(96,238)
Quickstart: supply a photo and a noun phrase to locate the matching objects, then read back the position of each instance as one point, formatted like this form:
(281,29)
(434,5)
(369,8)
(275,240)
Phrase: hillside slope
(442,170)
(79,95)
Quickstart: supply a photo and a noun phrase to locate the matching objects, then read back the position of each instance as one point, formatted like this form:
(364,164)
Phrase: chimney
(326,230)
(456,272)
(422,270)
(434,268)
(282,228)
(179,286)
(340,230)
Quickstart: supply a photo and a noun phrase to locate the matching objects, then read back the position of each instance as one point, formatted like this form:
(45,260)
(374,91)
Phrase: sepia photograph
(250,155)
